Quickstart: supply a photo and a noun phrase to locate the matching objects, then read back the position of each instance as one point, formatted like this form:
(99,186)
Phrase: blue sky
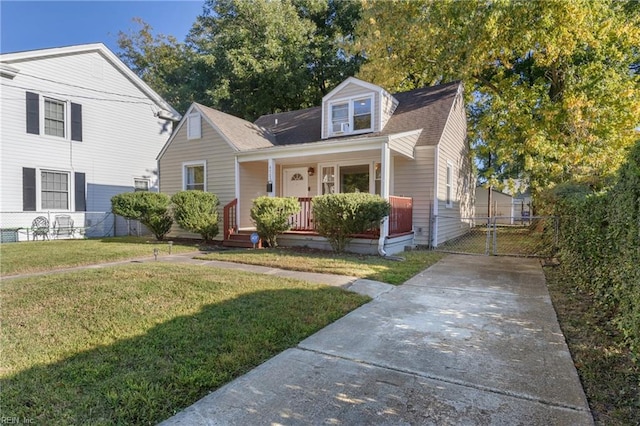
(28,25)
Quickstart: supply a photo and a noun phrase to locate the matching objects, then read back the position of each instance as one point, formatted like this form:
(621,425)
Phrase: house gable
(355,107)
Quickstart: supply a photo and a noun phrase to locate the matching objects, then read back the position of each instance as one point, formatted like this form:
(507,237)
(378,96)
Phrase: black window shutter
(76,122)
(28,189)
(81,200)
(33,113)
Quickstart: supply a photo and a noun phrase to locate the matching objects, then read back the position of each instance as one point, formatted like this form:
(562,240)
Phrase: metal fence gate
(499,236)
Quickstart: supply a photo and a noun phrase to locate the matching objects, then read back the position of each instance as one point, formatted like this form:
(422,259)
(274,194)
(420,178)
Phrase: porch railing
(401,216)
(230,218)
(303,220)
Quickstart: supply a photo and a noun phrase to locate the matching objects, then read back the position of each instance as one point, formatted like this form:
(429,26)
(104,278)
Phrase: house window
(194,176)
(141,185)
(328,180)
(54,117)
(353,116)
(194,129)
(354,178)
(449,185)
(340,118)
(362,114)
(54,190)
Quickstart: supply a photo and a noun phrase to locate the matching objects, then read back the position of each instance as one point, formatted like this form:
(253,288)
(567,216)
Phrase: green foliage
(600,246)
(250,57)
(271,216)
(550,94)
(339,216)
(197,211)
(150,208)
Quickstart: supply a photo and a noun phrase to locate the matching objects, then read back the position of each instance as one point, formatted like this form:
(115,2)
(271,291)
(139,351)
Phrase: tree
(163,63)
(150,208)
(250,57)
(196,211)
(550,85)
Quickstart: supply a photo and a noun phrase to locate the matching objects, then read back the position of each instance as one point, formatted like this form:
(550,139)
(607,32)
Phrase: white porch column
(385,183)
(271,178)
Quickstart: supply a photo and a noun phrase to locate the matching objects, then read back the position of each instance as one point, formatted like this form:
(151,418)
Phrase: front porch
(303,229)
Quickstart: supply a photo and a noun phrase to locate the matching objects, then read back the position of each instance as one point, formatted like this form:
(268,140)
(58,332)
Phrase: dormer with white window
(356,107)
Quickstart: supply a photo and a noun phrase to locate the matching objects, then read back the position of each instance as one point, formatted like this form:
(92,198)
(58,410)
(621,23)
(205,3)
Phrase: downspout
(434,231)
(385,160)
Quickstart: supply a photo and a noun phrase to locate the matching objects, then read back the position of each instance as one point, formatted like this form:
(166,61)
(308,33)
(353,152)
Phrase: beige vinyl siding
(389,105)
(414,178)
(351,91)
(253,184)
(212,149)
(453,148)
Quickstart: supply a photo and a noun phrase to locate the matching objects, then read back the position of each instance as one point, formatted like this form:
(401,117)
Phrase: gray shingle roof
(243,134)
(427,108)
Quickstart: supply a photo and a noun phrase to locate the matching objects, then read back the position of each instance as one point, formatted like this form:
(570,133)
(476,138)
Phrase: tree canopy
(552,86)
(250,57)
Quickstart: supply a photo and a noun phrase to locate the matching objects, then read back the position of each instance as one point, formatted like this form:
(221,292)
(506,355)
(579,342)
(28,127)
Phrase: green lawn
(134,344)
(362,266)
(37,256)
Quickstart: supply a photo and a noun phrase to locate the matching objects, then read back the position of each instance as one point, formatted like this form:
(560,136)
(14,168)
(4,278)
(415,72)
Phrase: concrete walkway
(471,340)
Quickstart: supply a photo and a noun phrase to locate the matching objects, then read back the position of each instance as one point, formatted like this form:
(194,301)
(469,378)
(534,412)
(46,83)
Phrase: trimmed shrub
(339,216)
(271,216)
(150,208)
(197,212)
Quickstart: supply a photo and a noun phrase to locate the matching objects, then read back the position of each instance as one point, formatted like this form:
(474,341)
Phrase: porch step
(241,239)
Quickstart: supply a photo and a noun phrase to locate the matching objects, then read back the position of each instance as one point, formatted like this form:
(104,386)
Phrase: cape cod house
(77,127)
(411,148)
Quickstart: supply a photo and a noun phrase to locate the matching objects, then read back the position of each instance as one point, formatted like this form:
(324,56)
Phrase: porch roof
(400,143)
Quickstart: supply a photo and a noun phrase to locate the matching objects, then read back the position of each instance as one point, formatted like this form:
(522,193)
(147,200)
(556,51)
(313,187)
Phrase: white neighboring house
(77,127)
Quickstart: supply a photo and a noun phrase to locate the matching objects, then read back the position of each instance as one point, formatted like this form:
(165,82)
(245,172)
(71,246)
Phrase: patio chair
(63,225)
(40,228)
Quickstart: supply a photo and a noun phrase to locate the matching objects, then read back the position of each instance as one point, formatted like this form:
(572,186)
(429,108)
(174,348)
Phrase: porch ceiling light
(311,171)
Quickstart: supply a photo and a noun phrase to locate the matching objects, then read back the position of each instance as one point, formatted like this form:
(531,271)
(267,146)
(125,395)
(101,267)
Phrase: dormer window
(352,116)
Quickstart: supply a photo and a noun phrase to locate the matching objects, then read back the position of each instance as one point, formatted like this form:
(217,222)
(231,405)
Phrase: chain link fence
(501,236)
(19,226)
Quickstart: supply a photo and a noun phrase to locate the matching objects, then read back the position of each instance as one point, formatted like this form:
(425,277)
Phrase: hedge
(197,211)
(339,216)
(600,246)
(150,208)
(271,216)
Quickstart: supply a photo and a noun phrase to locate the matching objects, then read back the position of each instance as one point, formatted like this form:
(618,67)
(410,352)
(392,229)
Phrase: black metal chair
(40,228)
(63,225)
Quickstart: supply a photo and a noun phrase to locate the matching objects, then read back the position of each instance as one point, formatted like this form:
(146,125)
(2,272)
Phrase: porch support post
(237,191)
(385,181)
(271,177)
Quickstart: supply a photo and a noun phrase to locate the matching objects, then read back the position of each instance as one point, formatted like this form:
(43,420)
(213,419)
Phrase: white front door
(296,182)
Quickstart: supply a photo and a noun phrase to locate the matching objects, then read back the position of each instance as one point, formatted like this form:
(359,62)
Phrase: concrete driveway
(472,340)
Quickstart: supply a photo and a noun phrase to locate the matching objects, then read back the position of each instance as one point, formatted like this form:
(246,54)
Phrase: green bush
(600,246)
(150,208)
(339,216)
(271,216)
(197,212)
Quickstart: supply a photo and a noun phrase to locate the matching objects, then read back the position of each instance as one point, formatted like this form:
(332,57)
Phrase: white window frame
(351,110)
(70,190)
(337,184)
(193,131)
(187,164)
(141,180)
(449,186)
(43,120)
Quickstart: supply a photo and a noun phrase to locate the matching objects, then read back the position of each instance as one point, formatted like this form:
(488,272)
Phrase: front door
(296,183)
